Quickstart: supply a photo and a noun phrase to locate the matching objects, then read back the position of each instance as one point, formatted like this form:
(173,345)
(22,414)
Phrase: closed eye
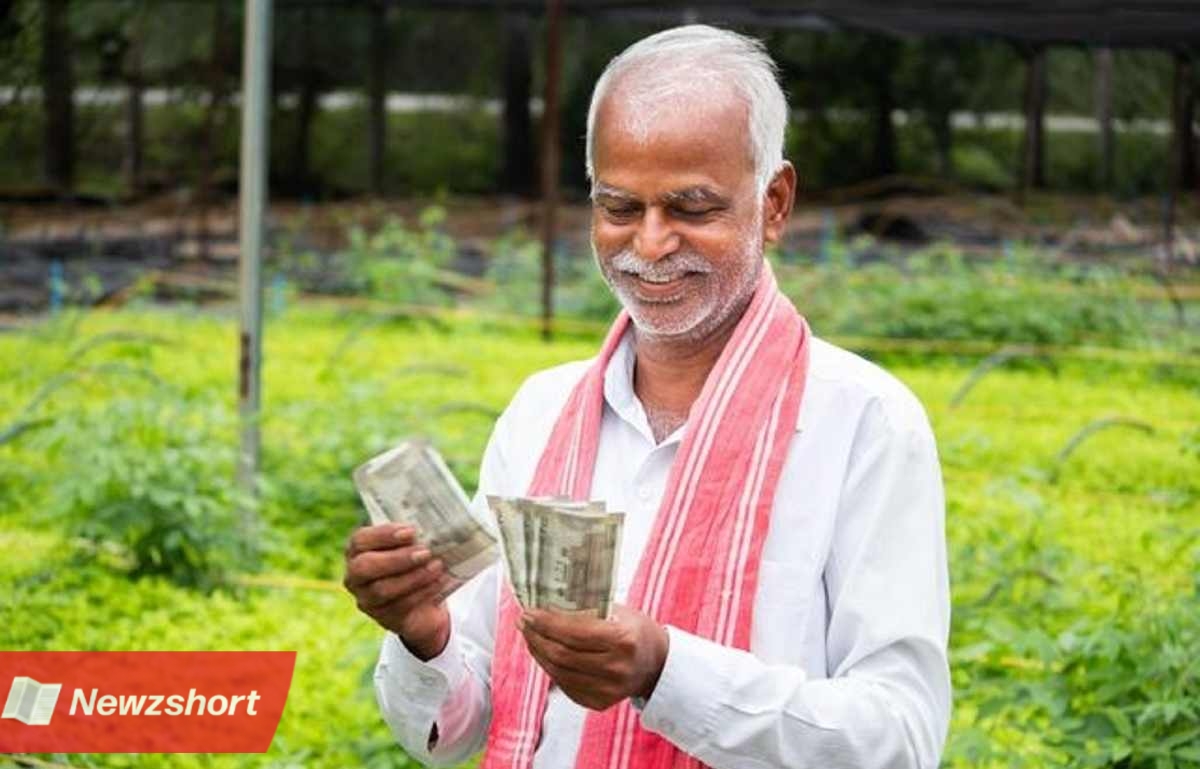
(692,213)
(621,212)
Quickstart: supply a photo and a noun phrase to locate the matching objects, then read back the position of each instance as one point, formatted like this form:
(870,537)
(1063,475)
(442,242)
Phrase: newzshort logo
(30,702)
(142,702)
(33,703)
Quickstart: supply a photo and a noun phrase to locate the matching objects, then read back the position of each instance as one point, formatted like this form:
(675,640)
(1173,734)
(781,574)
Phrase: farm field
(1073,517)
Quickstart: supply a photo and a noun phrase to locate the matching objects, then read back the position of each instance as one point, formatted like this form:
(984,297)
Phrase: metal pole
(256,72)
(550,160)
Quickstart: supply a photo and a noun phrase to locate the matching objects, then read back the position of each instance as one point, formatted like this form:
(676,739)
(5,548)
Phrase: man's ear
(779,199)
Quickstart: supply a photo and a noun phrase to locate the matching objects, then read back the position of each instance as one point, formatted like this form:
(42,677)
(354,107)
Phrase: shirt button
(644,493)
(428,680)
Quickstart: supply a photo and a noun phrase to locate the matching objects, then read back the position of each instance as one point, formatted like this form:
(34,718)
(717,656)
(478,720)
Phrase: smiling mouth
(660,289)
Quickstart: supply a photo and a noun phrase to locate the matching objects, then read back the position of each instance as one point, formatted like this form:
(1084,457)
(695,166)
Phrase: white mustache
(674,266)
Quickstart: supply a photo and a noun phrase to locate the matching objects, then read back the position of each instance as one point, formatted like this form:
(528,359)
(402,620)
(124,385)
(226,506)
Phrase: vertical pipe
(256,70)
(550,159)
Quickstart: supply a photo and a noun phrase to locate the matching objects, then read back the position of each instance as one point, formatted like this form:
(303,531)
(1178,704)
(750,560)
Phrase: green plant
(401,265)
(937,293)
(152,482)
(1074,602)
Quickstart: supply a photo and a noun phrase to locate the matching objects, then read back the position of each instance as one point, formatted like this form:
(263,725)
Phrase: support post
(1032,147)
(256,70)
(1177,157)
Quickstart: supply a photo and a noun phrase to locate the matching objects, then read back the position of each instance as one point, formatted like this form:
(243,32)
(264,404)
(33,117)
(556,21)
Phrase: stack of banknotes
(560,554)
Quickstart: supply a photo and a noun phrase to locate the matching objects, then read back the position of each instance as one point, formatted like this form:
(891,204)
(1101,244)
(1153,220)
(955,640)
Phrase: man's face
(677,229)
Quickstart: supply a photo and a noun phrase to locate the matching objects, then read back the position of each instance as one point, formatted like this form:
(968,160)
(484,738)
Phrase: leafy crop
(1076,624)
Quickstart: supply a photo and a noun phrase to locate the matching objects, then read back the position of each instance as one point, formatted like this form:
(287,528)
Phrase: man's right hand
(397,582)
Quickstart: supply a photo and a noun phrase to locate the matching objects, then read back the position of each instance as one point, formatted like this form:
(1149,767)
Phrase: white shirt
(847,664)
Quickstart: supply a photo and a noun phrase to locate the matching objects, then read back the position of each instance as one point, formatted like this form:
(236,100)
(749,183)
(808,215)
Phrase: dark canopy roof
(1135,23)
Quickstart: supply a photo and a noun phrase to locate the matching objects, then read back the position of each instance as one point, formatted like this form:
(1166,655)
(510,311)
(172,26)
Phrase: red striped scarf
(699,570)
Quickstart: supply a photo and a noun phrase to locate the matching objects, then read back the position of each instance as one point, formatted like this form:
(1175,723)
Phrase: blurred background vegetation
(1047,316)
(154,105)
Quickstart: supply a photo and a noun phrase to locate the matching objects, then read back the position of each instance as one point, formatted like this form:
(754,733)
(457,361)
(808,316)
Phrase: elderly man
(783,571)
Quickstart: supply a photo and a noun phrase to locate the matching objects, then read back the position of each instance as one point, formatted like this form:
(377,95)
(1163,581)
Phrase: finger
(383,591)
(430,595)
(565,670)
(447,585)
(580,632)
(376,564)
(566,658)
(588,691)
(381,537)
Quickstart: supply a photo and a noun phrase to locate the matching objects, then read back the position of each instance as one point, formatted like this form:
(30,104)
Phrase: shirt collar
(619,393)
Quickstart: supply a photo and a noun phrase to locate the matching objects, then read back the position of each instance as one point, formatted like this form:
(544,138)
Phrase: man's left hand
(597,662)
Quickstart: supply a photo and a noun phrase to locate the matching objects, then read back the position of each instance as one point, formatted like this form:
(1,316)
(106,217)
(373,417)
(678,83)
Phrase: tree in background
(844,87)
(517,161)
(58,142)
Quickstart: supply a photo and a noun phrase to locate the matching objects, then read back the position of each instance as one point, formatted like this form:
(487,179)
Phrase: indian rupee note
(511,522)
(412,484)
(575,560)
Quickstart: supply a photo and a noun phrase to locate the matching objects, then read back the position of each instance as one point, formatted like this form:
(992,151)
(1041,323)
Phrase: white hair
(676,61)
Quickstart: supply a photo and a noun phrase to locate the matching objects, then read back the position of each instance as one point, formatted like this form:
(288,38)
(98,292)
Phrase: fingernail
(403,532)
(521,623)
(421,556)
(434,567)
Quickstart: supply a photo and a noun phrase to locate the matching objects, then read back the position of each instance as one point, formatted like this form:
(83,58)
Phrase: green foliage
(426,152)
(515,268)
(1102,688)
(1075,616)
(399,264)
(980,168)
(392,262)
(938,294)
(152,486)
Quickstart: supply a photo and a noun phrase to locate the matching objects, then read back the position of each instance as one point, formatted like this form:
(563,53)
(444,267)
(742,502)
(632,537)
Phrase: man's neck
(669,374)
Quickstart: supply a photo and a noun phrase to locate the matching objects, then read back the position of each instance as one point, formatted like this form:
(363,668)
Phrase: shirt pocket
(781,612)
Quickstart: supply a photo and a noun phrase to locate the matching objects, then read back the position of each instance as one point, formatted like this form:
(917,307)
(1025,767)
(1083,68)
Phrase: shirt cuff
(439,674)
(684,706)
(411,691)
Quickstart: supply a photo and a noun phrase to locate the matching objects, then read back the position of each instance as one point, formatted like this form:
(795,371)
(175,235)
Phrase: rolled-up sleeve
(886,702)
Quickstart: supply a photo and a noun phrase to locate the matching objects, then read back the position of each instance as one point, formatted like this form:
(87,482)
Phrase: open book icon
(30,702)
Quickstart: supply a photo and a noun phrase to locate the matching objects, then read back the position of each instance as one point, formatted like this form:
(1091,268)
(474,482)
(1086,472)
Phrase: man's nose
(655,236)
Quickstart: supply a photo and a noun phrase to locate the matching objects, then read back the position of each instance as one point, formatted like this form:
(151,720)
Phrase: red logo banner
(142,702)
